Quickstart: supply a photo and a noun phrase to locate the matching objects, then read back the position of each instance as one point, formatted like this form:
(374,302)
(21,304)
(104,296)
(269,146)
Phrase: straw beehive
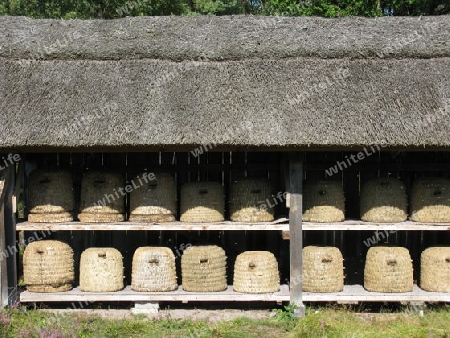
(50,196)
(203,269)
(101,198)
(388,269)
(256,272)
(154,270)
(48,266)
(323,269)
(435,269)
(101,270)
(323,201)
(202,202)
(248,201)
(430,200)
(384,200)
(155,201)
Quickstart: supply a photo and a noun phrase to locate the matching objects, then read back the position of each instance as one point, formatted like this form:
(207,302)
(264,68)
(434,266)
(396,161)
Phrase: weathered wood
(351,293)
(295,228)
(10,235)
(178,295)
(3,252)
(280,224)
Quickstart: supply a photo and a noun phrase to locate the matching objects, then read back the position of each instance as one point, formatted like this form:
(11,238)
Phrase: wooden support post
(10,235)
(3,276)
(295,228)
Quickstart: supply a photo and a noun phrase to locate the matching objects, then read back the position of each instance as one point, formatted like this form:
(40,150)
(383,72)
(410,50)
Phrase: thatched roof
(166,83)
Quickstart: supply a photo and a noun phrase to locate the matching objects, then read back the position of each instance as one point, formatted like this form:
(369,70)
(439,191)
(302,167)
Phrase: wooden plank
(280,224)
(178,295)
(3,251)
(10,235)
(295,228)
(351,293)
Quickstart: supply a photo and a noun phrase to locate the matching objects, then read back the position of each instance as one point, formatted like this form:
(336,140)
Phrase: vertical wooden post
(295,228)
(10,235)
(3,276)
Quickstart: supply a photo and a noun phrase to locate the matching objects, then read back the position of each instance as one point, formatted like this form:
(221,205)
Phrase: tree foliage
(110,9)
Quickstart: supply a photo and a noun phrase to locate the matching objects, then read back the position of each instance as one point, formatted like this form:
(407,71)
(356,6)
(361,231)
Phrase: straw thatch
(240,81)
(256,272)
(323,269)
(248,201)
(202,202)
(101,270)
(155,201)
(101,199)
(323,201)
(203,269)
(384,200)
(154,270)
(388,269)
(435,269)
(50,196)
(430,200)
(48,266)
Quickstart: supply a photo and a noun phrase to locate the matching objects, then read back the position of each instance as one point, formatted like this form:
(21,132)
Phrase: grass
(320,321)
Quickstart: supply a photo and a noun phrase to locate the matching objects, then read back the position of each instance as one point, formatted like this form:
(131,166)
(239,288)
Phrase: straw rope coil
(323,269)
(100,198)
(323,202)
(256,272)
(203,269)
(430,200)
(155,201)
(248,201)
(384,200)
(388,269)
(50,196)
(435,269)
(154,270)
(101,270)
(48,266)
(202,202)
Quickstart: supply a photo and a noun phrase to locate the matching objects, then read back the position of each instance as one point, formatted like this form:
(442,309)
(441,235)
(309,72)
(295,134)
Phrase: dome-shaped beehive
(323,201)
(256,272)
(203,269)
(388,269)
(101,270)
(251,201)
(155,200)
(102,198)
(323,269)
(48,266)
(202,202)
(430,200)
(50,196)
(154,270)
(435,269)
(384,200)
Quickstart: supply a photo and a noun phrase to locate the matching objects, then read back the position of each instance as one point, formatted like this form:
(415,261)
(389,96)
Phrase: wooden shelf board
(351,293)
(280,224)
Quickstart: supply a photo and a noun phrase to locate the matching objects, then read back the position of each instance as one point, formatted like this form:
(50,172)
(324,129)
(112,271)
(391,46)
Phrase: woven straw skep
(203,269)
(202,202)
(155,201)
(96,188)
(101,270)
(435,269)
(154,270)
(323,202)
(50,196)
(323,269)
(430,200)
(48,266)
(384,200)
(256,272)
(388,269)
(246,199)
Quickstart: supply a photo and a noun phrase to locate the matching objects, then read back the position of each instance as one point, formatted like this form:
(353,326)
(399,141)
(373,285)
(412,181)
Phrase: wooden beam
(3,276)
(295,228)
(10,235)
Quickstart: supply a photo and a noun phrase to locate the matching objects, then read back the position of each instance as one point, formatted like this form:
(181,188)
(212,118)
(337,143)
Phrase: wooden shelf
(350,294)
(76,295)
(279,224)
